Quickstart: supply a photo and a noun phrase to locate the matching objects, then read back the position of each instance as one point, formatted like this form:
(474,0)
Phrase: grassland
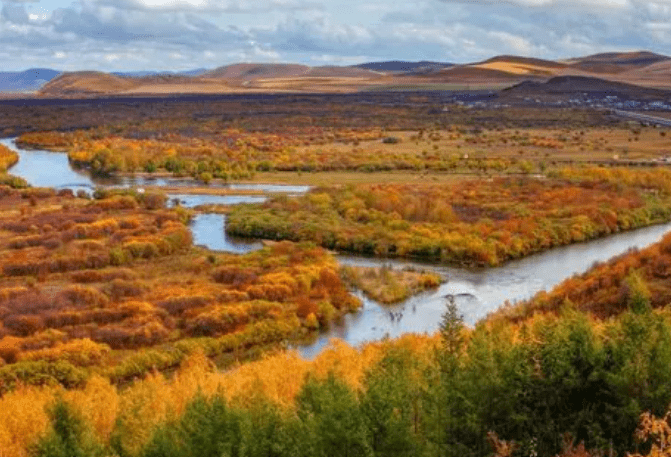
(354,155)
(386,285)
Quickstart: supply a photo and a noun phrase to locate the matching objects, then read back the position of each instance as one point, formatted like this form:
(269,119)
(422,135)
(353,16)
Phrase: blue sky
(185,34)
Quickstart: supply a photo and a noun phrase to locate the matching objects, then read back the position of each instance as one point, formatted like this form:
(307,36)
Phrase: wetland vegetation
(119,337)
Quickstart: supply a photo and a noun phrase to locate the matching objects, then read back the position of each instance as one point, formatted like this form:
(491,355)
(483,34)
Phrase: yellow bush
(82,352)
(23,419)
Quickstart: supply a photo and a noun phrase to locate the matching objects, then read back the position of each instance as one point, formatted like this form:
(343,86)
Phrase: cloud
(213,6)
(171,34)
(518,44)
(319,35)
(14,13)
(583,4)
(113,25)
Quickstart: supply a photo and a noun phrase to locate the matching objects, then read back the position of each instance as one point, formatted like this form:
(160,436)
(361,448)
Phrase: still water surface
(52,169)
(477,292)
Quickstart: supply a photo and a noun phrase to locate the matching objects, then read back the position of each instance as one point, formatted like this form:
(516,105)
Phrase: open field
(326,178)
(453,146)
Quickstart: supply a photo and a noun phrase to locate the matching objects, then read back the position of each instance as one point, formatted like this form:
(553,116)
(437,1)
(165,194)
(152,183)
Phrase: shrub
(153,200)
(78,352)
(141,249)
(70,436)
(119,256)
(82,296)
(177,305)
(41,373)
(121,288)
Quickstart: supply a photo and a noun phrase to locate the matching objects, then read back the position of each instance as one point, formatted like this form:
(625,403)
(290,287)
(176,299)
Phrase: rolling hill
(616,62)
(522,65)
(251,71)
(400,66)
(87,83)
(582,86)
(149,73)
(639,68)
(475,74)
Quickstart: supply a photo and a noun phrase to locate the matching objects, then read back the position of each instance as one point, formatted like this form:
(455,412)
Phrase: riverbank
(472,223)
(478,292)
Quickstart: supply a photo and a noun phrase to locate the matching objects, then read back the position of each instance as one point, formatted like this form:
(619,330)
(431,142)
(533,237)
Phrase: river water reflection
(52,169)
(477,292)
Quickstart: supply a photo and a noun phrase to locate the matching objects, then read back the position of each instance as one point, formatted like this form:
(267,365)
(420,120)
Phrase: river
(52,169)
(477,291)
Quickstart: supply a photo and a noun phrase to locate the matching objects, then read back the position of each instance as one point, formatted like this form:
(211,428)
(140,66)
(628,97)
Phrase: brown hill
(563,87)
(525,61)
(522,65)
(339,72)
(657,75)
(87,83)
(639,68)
(660,70)
(251,71)
(616,62)
(165,79)
(474,74)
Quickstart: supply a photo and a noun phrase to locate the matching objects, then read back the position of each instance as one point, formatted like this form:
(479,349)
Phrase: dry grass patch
(386,285)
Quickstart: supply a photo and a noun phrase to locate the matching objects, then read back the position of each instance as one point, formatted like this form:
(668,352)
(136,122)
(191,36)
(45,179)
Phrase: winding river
(52,169)
(477,292)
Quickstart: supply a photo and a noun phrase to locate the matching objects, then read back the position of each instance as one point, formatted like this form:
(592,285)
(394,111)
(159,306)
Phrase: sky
(129,35)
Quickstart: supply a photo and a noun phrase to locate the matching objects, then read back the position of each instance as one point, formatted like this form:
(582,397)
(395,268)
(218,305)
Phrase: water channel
(477,292)
(52,169)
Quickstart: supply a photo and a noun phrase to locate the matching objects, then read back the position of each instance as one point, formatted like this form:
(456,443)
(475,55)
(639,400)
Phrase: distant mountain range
(641,68)
(26,81)
(33,79)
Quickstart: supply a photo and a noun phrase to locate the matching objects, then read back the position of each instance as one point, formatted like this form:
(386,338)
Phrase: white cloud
(586,4)
(213,6)
(518,44)
(173,4)
(329,59)
(162,34)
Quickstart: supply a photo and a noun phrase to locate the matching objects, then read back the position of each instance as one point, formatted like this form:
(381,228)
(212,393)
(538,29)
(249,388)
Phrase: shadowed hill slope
(616,62)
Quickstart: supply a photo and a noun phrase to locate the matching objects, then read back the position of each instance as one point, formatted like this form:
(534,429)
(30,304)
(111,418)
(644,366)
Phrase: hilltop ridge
(641,68)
